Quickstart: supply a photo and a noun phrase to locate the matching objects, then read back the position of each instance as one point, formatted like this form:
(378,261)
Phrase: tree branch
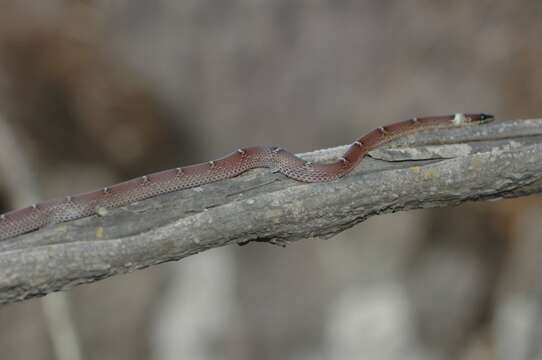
(440,168)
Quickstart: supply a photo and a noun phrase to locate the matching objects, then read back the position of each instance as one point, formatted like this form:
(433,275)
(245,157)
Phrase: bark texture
(441,168)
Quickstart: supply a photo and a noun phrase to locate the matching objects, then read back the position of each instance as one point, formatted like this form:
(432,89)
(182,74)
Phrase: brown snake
(73,207)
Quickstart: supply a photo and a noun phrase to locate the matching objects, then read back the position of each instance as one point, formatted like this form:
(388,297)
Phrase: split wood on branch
(437,168)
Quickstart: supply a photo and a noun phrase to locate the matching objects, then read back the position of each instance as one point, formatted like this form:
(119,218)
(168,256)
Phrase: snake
(18,222)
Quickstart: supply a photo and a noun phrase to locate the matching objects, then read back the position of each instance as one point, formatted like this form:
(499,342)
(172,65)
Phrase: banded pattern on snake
(279,160)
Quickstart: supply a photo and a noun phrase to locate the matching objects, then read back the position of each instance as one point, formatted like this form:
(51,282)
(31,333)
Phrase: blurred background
(96,91)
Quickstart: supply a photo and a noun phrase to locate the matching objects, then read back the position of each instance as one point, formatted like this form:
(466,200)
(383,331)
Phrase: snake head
(485,117)
(480,118)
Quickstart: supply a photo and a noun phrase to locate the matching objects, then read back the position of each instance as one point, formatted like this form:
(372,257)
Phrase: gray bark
(439,168)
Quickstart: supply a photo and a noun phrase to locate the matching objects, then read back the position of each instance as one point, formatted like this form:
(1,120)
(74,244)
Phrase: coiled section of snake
(279,160)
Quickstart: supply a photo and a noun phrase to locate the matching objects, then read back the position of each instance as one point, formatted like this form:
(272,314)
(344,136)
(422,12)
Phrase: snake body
(279,160)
